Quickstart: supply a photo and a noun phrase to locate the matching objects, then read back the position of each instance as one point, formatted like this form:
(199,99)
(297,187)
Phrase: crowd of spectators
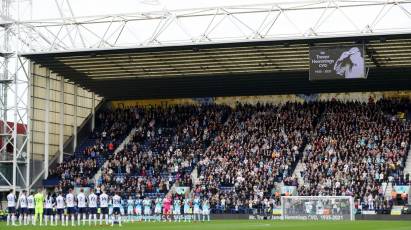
(257,147)
(165,147)
(243,154)
(355,148)
(79,169)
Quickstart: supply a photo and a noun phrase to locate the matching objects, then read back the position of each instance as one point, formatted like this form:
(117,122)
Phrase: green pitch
(244,224)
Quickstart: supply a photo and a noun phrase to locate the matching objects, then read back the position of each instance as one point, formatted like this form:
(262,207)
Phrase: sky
(290,24)
(93,7)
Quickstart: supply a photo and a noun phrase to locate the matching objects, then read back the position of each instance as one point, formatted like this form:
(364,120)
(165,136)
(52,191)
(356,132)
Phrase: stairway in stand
(117,150)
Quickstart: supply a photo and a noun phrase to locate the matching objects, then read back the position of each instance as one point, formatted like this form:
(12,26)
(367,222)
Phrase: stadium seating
(112,127)
(164,149)
(243,155)
(355,148)
(257,147)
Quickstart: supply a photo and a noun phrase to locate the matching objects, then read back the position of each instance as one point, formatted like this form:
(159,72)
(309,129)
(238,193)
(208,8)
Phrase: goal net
(317,208)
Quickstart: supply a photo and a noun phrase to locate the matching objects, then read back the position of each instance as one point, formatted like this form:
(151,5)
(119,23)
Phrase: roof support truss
(276,21)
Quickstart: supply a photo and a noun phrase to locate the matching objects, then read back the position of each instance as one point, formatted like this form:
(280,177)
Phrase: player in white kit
(70,207)
(30,207)
(92,206)
(11,206)
(23,208)
(116,209)
(49,209)
(60,209)
(103,200)
(81,204)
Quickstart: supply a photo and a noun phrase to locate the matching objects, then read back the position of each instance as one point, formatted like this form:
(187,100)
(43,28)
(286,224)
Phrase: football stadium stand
(155,111)
(242,155)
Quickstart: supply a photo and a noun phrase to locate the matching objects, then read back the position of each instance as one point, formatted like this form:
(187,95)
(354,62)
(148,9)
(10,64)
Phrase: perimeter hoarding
(337,62)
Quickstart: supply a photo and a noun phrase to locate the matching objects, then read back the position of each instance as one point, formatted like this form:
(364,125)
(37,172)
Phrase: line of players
(64,208)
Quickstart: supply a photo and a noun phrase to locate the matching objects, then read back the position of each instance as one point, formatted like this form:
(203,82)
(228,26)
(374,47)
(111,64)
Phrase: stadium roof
(224,69)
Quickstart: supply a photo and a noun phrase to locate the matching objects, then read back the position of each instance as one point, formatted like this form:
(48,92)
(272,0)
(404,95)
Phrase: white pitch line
(260,225)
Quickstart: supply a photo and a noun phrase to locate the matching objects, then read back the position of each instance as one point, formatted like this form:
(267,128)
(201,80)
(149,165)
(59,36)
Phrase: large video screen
(338,62)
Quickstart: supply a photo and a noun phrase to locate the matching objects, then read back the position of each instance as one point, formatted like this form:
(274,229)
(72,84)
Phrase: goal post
(317,208)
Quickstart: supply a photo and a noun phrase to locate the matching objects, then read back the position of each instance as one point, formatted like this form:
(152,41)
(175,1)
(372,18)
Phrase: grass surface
(244,224)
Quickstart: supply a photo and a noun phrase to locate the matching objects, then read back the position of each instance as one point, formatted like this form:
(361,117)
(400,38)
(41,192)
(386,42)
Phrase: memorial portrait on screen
(350,64)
